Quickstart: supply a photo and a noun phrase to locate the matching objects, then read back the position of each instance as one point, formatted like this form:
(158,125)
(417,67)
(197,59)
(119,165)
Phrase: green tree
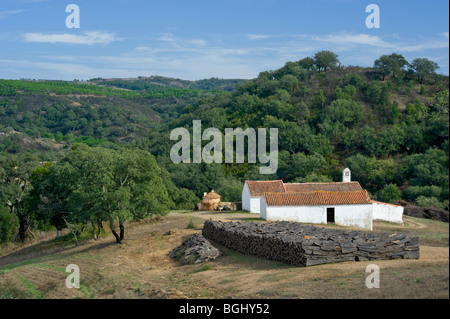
(389,194)
(383,65)
(15,171)
(398,63)
(8,225)
(97,184)
(372,172)
(344,111)
(390,64)
(49,193)
(390,140)
(429,168)
(307,63)
(423,67)
(325,59)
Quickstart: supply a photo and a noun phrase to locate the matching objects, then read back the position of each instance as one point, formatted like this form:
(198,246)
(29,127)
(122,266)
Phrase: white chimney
(346,175)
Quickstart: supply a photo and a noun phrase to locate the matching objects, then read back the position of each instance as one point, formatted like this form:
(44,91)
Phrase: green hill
(388,125)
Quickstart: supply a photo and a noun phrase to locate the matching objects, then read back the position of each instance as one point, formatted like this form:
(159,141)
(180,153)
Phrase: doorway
(330,215)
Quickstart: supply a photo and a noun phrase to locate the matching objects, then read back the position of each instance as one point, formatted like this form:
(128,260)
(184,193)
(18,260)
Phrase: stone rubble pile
(306,245)
(195,249)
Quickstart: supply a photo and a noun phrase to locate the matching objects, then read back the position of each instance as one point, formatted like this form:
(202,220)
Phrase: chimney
(204,194)
(346,176)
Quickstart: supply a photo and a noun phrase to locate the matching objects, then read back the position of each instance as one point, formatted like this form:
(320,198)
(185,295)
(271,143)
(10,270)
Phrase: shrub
(423,201)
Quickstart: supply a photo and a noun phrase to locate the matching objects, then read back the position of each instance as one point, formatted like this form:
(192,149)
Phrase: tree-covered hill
(389,124)
(55,108)
(156,82)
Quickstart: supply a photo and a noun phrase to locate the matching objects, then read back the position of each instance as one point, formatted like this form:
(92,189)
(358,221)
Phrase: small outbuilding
(210,201)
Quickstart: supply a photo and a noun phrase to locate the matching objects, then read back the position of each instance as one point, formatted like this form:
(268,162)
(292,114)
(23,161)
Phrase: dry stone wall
(306,245)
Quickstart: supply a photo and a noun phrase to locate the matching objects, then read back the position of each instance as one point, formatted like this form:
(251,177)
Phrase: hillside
(391,129)
(141,269)
(156,82)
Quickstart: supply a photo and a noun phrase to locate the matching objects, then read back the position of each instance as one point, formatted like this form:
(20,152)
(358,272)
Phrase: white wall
(386,212)
(354,215)
(249,203)
(255,206)
(345,215)
(304,214)
(263,208)
(245,198)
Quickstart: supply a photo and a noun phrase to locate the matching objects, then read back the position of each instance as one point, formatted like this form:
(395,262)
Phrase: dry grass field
(140,268)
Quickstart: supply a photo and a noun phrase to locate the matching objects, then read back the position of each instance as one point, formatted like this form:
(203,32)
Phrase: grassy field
(140,267)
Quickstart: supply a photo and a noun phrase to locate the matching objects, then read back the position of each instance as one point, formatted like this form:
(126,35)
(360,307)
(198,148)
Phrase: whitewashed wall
(304,214)
(245,198)
(249,203)
(354,215)
(345,215)
(255,205)
(386,212)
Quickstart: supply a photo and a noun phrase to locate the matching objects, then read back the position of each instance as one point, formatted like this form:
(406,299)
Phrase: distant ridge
(143,83)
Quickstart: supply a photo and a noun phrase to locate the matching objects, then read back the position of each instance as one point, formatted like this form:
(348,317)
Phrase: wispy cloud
(364,39)
(398,44)
(7,13)
(257,36)
(87,38)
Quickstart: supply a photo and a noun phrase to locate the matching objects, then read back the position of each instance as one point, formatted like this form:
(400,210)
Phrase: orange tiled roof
(326,187)
(317,198)
(257,188)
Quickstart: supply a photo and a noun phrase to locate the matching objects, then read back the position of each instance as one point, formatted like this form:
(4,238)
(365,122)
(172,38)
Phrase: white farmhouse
(347,208)
(253,190)
(343,203)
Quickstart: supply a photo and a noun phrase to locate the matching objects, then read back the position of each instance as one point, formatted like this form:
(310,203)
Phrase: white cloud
(344,39)
(257,36)
(168,37)
(87,38)
(7,13)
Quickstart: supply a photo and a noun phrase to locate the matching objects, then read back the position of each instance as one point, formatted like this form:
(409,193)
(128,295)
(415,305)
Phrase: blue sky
(200,39)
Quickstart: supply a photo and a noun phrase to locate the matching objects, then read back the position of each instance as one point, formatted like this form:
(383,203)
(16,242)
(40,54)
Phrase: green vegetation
(65,147)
